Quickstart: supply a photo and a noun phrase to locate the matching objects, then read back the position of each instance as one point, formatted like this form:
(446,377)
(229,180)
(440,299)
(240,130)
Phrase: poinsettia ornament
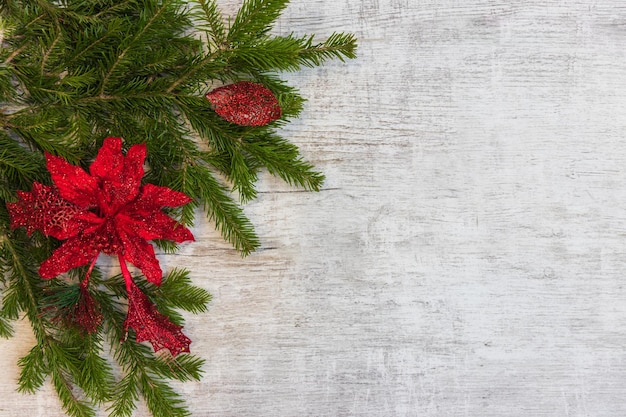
(245,103)
(107,211)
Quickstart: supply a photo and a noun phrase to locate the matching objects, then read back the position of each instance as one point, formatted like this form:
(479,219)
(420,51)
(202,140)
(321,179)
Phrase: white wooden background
(468,254)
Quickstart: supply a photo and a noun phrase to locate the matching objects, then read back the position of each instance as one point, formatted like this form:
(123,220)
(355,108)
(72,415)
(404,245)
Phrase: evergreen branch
(64,369)
(119,6)
(288,53)
(182,368)
(122,54)
(197,66)
(220,208)
(243,174)
(177,291)
(34,370)
(99,36)
(279,53)
(17,164)
(6,330)
(95,377)
(283,159)
(15,53)
(72,405)
(23,279)
(215,22)
(46,54)
(254,19)
(339,45)
(144,372)
(161,399)
(126,396)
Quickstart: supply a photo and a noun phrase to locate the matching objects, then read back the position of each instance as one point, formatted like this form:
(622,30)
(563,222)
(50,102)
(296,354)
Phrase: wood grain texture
(467,256)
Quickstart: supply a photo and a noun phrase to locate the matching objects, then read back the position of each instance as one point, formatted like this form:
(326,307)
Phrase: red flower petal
(147,220)
(245,103)
(153,326)
(155,197)
(73,183)
(119,176)
(141,254)
(159,226)
(74,252)
(109,162)
(44,209)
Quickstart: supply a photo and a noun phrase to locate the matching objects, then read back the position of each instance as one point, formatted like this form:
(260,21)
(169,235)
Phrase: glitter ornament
(106,210)
(85,313)
(151,325)
(245,103)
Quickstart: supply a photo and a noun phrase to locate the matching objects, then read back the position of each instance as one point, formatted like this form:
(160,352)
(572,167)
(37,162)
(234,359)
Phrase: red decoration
(106,210)
(151,325)
(245,103)
(85,313)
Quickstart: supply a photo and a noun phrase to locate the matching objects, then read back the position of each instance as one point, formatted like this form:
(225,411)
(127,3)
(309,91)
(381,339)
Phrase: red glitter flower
(106,210)
(245,103)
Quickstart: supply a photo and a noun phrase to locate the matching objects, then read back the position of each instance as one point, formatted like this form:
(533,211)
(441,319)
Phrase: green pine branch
(211,21)
(283,159)
(254,19)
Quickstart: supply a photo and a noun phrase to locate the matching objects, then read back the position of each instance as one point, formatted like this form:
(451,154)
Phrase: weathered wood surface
(468,254)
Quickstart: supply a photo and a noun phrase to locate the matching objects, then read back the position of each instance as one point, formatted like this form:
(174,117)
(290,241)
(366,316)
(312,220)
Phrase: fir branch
(279,53)
(201,70)
(220,208)
(72,405)
(339,45)
(96,377)
(48,52)
(161,399)
(177,291)
(243,174)
(145,373)
(289,53)
(254,19)
(121,57)
(17,165)
(283,159)
(209,12)
(126,396)
(34,370)
(6,329)
(182,368)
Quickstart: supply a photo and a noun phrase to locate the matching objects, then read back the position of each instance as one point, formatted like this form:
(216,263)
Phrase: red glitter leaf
(86,314)
(44,209)
(73,183)
(245,103)
(71,254)
(152,326)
